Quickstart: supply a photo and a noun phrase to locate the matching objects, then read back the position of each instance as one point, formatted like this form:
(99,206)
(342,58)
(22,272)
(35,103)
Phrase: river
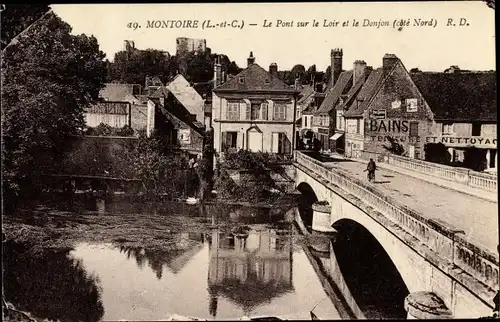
(222,263)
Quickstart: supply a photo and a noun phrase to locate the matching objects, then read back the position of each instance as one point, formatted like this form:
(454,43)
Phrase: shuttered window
(255,112)
(413,128)
(233,111)
(248,112)
(264,107)
(279,112)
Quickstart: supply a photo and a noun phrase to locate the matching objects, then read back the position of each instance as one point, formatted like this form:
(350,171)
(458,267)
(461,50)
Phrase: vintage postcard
(249,161)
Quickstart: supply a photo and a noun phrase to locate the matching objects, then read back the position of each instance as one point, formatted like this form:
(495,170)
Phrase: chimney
(217,72)
(298,83)
(273,69)
(358,70)
(336,64)
(250,59)
(389,61)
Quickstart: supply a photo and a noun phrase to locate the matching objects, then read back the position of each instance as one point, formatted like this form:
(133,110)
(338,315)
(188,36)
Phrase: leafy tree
(199,67)
(475,159)
(298,71)
(233,69)
(17,17)
(160,170)
(133,67)
(48,76)
(437,152)
(328,75)
(256,182)
(310,75)
(394,147)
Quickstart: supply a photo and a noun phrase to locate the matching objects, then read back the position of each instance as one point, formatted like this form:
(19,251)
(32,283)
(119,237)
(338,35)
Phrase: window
(229,140)
(255,114)
(267,81)
(340,120)
(358,126)
(323,121)
(447,128)
(279,112)
(241,80)
(265,108)
(305,120)
(476,129)
(280,143)
(233,111)
(413,128)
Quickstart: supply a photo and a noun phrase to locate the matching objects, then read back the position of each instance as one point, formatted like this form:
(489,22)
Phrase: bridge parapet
(446,242)
(480,180)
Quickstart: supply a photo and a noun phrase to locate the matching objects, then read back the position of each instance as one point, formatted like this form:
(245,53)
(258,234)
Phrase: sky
(429,48)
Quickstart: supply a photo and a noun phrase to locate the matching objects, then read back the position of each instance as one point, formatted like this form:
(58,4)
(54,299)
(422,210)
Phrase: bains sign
(405,131)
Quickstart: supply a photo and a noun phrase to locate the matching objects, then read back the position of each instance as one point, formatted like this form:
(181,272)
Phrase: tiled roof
(162,91)
(255,78)
(351,94)
(307,91)
(341,87)
(370,87)
(459,96)
(116,92)
(142,98)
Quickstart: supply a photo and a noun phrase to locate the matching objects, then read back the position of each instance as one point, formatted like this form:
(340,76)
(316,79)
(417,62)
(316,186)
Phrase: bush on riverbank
(256,185)
(106,130)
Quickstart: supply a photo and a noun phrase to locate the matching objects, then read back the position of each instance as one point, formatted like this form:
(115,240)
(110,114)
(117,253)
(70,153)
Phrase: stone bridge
(441,274)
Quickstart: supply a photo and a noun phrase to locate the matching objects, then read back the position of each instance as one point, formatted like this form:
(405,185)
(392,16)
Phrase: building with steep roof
(388,106)
(465,111)
(325,115)
(254,111)
(416,110)
(187,96)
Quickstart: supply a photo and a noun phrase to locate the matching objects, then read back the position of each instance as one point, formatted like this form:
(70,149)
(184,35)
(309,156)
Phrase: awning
(336,136)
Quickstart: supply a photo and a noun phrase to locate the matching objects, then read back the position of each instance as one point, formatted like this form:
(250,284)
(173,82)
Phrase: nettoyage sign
(401,130)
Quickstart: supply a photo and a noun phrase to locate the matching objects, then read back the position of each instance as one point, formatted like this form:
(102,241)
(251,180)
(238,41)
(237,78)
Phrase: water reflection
(55,286)
(249,267)
(238,260)
(184,246)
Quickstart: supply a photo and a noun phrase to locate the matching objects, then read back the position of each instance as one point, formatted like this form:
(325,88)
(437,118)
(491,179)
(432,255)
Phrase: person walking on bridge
(371,167)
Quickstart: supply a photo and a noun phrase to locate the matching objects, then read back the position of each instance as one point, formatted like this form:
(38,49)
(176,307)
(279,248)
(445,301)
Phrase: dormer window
(241,80)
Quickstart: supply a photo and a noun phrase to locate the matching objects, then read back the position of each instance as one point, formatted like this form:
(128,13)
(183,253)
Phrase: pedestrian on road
(371,169)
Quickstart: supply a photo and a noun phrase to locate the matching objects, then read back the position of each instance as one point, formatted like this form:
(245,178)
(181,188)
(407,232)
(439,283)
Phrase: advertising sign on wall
(379,130)
(411,105)
(185,136)
(378,114)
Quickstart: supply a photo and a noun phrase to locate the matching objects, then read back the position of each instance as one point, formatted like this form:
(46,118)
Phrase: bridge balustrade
(478,262)
(485,181)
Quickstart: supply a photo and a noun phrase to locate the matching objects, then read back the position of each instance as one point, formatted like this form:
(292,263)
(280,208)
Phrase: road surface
(477,217)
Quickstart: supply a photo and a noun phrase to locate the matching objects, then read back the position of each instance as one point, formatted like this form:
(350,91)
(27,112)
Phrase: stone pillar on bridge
(426,305)
(321,217)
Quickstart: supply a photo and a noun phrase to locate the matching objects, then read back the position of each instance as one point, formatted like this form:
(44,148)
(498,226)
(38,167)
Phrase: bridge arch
(370,275)
(308,197)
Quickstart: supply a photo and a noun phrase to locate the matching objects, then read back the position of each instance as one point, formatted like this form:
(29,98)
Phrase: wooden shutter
(223,141)
(265,108)
(413,128)
(249,111)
